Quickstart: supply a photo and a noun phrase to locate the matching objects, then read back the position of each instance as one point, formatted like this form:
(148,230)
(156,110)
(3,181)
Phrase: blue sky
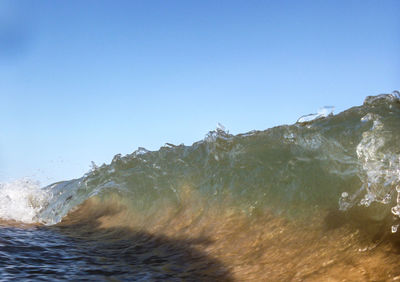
(81,81)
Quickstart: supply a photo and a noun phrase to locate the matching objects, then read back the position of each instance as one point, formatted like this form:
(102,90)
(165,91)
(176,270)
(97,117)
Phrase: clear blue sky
(85,80)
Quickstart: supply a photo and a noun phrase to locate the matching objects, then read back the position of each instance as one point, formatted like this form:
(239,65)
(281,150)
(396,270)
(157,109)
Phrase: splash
(322,113)
(22,200)
(379,157)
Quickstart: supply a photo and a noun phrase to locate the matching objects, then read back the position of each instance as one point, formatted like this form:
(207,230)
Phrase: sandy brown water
(225,244)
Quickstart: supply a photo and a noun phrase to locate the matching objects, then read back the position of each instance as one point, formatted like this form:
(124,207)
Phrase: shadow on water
(125,254)
(81,250)
(138,254)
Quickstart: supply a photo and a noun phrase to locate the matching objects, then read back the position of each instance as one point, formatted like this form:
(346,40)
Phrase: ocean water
(314,201)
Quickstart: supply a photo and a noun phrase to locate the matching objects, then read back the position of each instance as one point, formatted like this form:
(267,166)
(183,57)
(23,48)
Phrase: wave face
(338,161)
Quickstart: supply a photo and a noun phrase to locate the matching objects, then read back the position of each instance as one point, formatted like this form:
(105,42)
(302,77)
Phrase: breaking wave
(322,162)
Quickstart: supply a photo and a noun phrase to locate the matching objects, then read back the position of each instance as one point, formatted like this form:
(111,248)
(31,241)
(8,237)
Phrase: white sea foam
(21,200)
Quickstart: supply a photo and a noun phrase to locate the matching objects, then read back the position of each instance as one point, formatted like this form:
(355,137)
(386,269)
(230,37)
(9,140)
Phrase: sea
(318,200)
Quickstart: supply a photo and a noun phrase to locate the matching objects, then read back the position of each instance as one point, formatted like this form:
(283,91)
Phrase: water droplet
(396,210)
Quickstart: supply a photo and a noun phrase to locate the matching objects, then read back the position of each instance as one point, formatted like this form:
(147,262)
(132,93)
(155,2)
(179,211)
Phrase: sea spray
(21,200)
